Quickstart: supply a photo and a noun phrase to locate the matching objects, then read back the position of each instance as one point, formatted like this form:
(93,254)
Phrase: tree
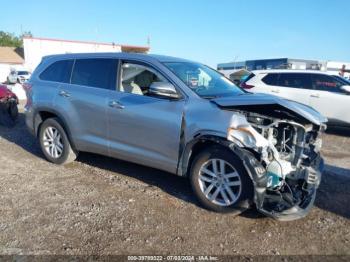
(9,39)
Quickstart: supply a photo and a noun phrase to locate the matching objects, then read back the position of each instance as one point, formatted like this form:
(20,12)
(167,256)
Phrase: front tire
(54,142)
(220,181)
(13,110)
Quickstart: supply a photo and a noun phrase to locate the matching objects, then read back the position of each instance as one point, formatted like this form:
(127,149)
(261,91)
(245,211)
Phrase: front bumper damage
(282,158)
(265,202)
(279,143)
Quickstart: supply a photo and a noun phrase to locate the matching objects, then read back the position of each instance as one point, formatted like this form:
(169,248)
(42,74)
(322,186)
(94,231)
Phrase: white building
(335,67)
(11,58)
(35,48)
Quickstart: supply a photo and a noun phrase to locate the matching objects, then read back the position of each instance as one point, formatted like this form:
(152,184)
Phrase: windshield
(21,73)
(203,80)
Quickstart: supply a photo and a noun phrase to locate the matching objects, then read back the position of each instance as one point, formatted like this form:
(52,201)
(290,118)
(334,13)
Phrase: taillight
(27,86)
(246,86)
(28,89)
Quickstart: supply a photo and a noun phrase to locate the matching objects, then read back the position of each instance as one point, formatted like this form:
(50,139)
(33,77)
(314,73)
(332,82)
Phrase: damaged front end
(281,152)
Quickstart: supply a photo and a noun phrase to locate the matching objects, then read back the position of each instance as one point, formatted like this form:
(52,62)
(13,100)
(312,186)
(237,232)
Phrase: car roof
(278,71)
(120,55)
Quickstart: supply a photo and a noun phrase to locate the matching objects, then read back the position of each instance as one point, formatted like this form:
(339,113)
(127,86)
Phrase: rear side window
(59,71)
(295,80)
(271,79)
(99,72)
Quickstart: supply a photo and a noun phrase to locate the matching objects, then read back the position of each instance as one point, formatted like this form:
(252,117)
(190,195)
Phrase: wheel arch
(196,145)
(41,114)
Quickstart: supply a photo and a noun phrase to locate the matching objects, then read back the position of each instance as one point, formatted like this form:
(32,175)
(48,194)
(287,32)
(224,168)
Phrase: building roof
(266,71)
(11,55)
(125,48)
(232,65)
(238,64)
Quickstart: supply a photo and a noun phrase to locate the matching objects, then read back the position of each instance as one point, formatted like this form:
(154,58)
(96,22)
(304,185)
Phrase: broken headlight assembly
(288,153)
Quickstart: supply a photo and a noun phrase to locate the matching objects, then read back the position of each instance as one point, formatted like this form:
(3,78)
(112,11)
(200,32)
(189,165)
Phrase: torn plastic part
(275,173)
(241,130)
(260,181)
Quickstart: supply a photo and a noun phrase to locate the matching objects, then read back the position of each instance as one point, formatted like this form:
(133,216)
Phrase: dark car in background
(8,106)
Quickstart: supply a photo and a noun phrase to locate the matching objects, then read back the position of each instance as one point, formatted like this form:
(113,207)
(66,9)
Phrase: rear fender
(38,120)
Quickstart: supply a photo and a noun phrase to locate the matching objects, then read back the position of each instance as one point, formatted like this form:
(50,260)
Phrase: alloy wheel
(220,182)
(52,141)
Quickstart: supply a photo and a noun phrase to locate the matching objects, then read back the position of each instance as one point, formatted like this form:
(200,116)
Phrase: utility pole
(149,41)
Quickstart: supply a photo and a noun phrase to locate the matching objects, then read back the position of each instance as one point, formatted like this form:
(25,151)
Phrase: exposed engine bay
(282,157)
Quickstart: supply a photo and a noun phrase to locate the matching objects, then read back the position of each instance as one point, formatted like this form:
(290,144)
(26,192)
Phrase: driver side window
(137,79)
(326,83)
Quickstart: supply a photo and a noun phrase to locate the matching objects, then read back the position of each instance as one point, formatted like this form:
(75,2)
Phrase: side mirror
(346,88)
(163,89)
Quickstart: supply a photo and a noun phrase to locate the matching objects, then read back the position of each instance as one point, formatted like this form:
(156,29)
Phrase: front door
(294,86)
(143,128)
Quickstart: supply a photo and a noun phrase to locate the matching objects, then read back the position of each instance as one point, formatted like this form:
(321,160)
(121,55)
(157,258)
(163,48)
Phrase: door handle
(64,93)
(275,90)
(116,104)
(315,95)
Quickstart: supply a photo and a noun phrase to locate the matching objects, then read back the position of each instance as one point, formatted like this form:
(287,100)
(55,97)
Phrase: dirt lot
(100,205)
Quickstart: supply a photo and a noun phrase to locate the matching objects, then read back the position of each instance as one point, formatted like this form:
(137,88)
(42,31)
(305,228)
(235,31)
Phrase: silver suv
(237,148)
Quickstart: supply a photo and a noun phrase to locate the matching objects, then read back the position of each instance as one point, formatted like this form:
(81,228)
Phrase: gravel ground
(98,205)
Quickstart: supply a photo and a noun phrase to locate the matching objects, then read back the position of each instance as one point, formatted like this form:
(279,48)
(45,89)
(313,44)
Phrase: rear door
(143,128)
(270,83)
(329,99)
(294,86)
(83,102)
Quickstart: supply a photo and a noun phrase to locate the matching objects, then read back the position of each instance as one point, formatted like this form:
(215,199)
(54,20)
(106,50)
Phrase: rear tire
(8,113)
(220,181)
(54,142)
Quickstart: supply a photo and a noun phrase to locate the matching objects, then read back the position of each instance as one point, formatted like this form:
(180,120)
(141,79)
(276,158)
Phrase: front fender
(202,137)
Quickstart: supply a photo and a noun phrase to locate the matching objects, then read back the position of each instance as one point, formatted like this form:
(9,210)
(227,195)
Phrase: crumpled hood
(250,99)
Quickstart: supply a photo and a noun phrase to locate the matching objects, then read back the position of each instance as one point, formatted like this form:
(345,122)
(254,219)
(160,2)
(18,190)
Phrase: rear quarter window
(271,79)
(248,77)
(95,72)
(59,71)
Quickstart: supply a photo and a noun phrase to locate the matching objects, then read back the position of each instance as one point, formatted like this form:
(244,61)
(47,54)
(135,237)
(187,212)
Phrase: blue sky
(205,30)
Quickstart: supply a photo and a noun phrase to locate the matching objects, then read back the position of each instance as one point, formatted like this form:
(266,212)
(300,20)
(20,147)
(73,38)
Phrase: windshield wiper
(209,97)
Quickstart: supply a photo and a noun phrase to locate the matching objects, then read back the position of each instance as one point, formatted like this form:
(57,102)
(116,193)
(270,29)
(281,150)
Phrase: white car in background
(18,76)
(328,94)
